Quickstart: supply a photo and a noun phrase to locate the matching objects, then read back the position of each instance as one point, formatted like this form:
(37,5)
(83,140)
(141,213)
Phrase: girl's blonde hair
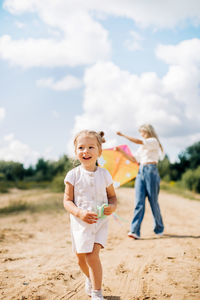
(151,132)
(99,136)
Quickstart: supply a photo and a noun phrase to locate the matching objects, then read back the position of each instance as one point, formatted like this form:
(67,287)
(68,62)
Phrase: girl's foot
(88,286)
(97,295)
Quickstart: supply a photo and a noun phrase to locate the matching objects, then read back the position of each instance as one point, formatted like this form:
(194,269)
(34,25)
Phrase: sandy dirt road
(37,262)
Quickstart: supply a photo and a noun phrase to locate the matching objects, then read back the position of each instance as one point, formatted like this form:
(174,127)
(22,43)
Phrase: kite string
(117,218)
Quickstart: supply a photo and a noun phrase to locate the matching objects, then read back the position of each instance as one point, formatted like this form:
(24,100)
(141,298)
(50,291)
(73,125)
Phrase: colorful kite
(121,169)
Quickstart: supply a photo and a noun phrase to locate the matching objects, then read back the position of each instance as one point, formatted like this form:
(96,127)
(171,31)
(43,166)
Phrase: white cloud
(156,13)
(19,6)
(84,40)
(145,13)
(51,52)
(183,77)
(117,100)
(134,42)
(2,113)
(186,53)
(65,84)
(11,149)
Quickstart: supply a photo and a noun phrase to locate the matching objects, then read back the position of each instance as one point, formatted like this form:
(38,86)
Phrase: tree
(47,170)
(187,160)
(164,168)
(12,170)
(191,179)
(42,172)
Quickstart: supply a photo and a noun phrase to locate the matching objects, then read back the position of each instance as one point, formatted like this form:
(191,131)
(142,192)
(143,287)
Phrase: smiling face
(87,151)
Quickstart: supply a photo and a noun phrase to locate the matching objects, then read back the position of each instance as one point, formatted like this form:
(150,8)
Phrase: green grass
(53,204)
(4,187)
(171,187)
(14,207)
(27,185)
(176,188)
(24,185)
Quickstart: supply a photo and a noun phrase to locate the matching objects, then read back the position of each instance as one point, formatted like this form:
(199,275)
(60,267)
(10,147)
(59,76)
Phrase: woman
(148,179)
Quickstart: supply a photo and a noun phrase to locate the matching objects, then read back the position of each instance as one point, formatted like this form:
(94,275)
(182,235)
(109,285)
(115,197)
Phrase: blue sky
(70,65)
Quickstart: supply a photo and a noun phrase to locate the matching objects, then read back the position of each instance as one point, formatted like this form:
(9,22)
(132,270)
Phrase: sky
(104,65)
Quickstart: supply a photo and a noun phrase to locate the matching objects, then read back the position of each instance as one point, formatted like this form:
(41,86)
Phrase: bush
(5,186)
(166,178)
(26,184)
(57,184)
(191,180)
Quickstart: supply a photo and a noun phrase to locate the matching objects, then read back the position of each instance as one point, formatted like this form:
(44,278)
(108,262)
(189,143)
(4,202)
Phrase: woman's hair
(152,133)
(99,136)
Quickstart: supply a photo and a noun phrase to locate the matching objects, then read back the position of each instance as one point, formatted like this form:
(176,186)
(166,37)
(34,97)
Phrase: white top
(89,191)
(148,152)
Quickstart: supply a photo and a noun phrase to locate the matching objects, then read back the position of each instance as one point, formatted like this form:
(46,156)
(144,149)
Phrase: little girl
(87,187)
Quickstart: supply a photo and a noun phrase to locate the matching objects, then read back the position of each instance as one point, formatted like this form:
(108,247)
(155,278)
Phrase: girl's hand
(88,216)
(108,210)
(119,133)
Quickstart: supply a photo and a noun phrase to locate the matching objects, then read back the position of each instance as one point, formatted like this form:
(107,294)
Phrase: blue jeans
(147,184)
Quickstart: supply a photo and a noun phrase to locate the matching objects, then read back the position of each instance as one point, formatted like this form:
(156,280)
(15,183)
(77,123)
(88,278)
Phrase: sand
(37,261)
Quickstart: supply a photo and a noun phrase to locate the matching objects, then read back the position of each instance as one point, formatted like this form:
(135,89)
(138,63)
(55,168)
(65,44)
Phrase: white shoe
(97,295)
(133,235)
(88,286)
(160,234)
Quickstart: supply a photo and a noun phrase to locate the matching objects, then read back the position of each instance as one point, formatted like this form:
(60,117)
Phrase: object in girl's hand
(121,169)
(100,211)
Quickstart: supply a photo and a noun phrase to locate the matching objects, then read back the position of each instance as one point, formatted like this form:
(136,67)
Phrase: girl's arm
(128,156)
(112,201)
(86,216)
(136,141)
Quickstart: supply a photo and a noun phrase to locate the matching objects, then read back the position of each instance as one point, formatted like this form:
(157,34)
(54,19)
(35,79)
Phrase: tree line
(45,173)
(186,169)
(44,170)
(51,173)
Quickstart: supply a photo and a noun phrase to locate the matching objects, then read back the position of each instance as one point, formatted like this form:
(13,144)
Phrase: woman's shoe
(133,236)
(160,234)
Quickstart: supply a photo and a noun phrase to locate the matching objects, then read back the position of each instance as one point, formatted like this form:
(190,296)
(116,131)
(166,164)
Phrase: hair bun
(101,133)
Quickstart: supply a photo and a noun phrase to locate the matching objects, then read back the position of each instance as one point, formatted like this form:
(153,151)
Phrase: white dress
(89,192)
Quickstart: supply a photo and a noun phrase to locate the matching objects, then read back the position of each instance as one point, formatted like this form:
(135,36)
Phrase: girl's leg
(84,268)
(82,263)
(95,267)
